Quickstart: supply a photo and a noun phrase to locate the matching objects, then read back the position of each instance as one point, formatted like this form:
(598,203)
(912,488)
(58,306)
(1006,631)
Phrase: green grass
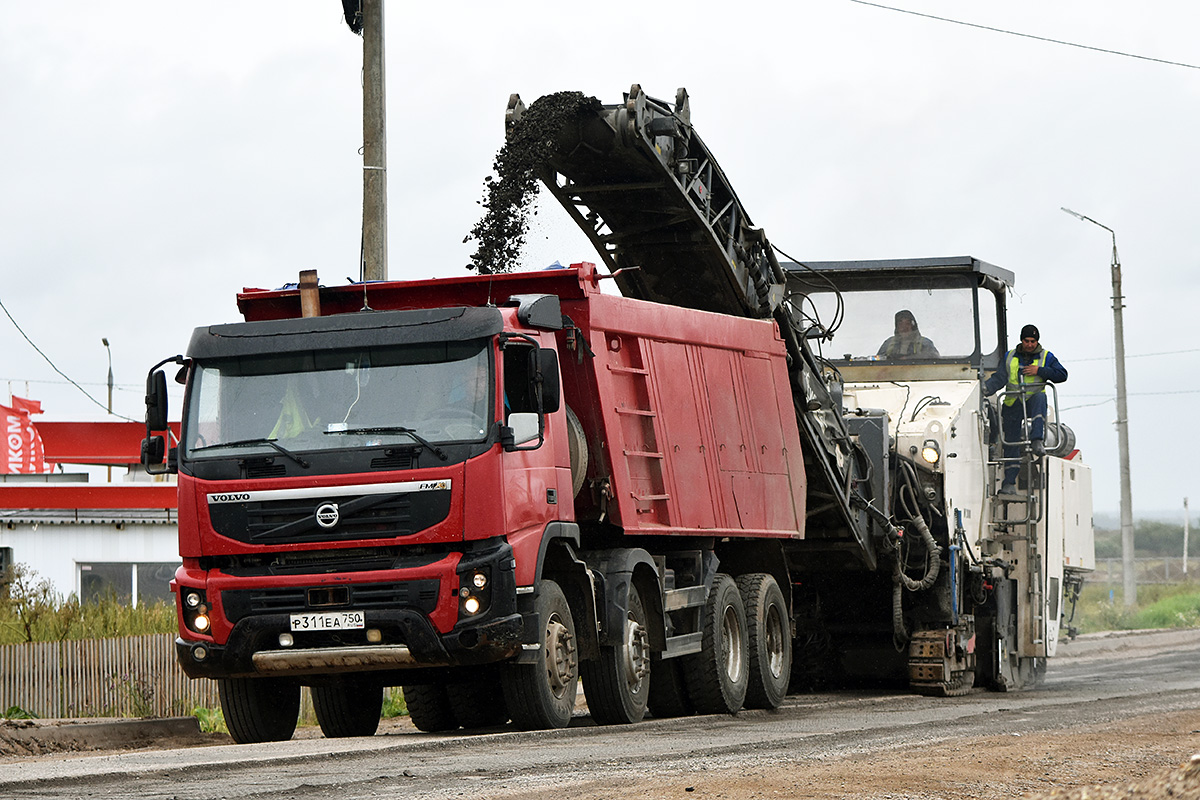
(31,611)
(393,703)
(1158,606)
(70,619)
(212,720)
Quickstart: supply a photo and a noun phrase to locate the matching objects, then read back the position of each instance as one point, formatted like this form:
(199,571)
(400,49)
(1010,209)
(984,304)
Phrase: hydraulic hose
(933,563)
(901,581)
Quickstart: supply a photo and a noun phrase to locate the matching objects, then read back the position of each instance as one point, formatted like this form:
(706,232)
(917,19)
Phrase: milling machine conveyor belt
(658,208)
(641,184)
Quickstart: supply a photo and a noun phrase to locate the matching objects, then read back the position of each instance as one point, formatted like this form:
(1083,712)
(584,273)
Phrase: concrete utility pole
(374,227)
(1128,566)
(1187,521)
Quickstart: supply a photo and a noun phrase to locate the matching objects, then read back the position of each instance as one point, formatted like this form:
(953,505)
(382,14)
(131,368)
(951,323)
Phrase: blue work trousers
(1010,419)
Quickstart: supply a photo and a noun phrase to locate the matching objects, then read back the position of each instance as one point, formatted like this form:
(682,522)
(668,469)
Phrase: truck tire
(769,640)
(668,691)
(349,706)
(259,709)
(577,449)
(480,704)
(429,708)
(717,676)
(617,684)
(542,695)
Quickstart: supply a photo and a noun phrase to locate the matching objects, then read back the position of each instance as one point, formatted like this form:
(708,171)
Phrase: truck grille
(381,516)
(241,603)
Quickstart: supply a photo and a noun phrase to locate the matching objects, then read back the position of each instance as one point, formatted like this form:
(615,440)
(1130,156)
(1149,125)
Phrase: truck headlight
(196,610)
(930,451)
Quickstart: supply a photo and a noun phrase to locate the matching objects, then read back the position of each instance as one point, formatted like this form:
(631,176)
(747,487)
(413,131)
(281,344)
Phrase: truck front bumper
(437,615)
(408,641)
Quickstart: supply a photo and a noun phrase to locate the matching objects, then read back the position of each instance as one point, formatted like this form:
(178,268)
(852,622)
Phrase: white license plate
(328,621)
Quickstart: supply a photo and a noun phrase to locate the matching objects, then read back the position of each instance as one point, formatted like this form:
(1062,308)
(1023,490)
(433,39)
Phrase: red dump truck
(458,496)
(487,488)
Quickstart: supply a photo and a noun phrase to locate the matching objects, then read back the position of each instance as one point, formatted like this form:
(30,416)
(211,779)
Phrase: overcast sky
(156,158)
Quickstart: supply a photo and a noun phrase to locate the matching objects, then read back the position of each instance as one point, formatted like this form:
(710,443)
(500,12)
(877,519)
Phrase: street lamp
(1127,563)
(110,375)
(108,350)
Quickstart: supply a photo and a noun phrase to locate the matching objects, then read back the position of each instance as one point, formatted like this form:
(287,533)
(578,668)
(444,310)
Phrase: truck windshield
(324,400)
(900,324)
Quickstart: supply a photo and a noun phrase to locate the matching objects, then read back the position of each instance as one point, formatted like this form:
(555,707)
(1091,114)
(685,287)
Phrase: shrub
(393,703)
(31,611)
(1177,611)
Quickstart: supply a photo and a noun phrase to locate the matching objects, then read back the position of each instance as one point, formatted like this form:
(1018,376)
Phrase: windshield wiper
(251,442)
(437,451)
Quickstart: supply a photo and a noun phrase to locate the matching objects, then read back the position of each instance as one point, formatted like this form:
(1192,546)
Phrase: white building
(92,539)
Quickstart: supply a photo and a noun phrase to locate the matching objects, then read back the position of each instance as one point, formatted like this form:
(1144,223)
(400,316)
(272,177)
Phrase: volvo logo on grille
(328,515)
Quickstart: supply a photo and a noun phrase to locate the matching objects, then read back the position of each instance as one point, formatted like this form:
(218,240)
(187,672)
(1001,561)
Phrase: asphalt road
(1098,680)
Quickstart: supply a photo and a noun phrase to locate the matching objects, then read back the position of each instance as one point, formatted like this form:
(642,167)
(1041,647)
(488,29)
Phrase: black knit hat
(1030,332)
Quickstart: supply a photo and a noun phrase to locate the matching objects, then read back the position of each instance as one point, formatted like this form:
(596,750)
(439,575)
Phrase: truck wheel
(429,708)
(542,694)
(769,640)
(617,684)
(718,675)
(668,692)
(259,709)
(480,704)
(349,706)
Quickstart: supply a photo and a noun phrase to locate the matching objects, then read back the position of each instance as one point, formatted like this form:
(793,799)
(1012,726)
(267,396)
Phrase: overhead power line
(55,367)
(1140,355)
(1028,35)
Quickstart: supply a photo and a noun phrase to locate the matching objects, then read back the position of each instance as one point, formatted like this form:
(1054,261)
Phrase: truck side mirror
(551,390)
(154,448)
(156,401)
(525,427)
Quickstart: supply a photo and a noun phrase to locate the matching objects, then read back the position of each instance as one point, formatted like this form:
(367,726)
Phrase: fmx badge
(433,486)
(328,515)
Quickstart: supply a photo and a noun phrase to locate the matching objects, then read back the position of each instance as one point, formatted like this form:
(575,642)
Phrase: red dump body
(688,414)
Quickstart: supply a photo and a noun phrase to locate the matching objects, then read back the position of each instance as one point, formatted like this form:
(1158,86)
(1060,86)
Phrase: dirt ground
(1136,759)
(1143,757)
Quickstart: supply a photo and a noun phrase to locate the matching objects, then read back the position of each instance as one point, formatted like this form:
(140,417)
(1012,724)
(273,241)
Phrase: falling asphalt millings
(508,197)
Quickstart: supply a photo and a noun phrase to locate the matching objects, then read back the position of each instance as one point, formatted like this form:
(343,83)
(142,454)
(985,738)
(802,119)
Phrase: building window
(143,582)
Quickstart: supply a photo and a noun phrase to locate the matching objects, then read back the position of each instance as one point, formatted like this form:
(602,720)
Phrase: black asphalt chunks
(508,197)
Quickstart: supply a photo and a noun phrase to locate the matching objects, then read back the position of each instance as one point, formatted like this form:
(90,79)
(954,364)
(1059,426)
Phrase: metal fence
(1147,571)
(132,676)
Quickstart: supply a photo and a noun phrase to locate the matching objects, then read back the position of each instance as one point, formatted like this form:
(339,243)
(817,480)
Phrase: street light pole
(1127,547)
(110,375)
(108,350)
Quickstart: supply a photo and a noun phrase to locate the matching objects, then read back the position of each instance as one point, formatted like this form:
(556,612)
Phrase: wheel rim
(774,641)
(636,655)
(731,636)
(560,655)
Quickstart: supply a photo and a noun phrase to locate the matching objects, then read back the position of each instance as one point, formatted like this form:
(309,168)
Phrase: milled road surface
(1112,709)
